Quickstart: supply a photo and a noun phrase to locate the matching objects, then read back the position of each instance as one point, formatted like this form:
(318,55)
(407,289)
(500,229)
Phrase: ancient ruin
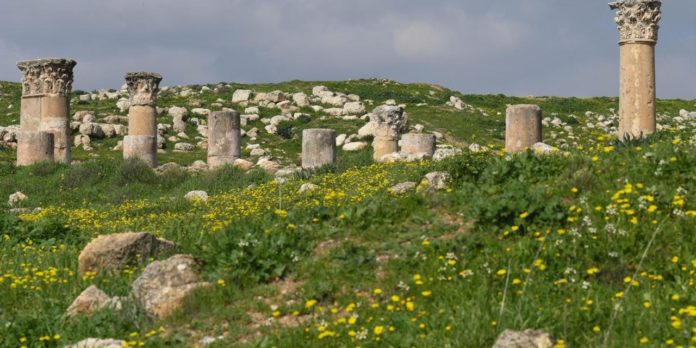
(318,148)
(141,141)
(522,127)
(389,122)
(224,138)
(638,26)
(418,144)
(45,107)
(34,147)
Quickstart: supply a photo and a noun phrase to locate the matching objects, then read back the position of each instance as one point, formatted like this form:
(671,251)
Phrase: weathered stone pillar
(383,145)
(224,138)
(141,141)
(34,147)
(418,144)
(318,148)
(45,106)
(638,26)
(522,127)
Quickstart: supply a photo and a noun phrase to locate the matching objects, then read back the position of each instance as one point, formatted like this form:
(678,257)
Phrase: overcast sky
(517,47)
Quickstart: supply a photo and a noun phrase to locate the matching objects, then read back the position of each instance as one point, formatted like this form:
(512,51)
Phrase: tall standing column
(45,106)
(522,127)
(638,26)
(318,148)
(141,141)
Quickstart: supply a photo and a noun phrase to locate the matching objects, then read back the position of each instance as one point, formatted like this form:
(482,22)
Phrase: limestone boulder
(268,165)
(113,252)
(243,164)
(300,99)
(184,147)
(16,198)
(354,108)
(438,180)
(241,95)
(402,188)
(524,339)
(91,300)
(354,146)
(194,196)
(390,117)
(92,130)
(98,343)
(178,112)
(163,285)
(308,187)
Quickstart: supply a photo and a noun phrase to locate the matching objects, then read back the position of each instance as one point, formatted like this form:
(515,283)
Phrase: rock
(20,211)
(92,130)
(543,149)
(186,93)
(200,112)
(354,146)
(120,129)
(88,118)
(334,111)
(269,166)
(83,140)
(288,172)
(252,110)
(16,197)
(276,120)
(475,148)
(275,97)
(243,164)
(113,252)
(393,118)
(85,97)
(178,112)
(317,108)
(257,152)
(241,95)
(184,147)
(179,125)
(198,166)
(163,285)
(402,188)
(320,90)
(438,180)
(341,139)
(300,99)
(91,300)
(334,100)
(109,130)
(353,97)
(169,166)
(98,343)
(523,339)
(369,129)
(441,154)
(123,104)
(354,108)
(196,196)
(308,187)
(80,115)
(390,102)
(271,129)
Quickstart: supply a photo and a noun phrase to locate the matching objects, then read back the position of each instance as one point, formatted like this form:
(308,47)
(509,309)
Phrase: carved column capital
(47,76)
(637,19)
(143,88)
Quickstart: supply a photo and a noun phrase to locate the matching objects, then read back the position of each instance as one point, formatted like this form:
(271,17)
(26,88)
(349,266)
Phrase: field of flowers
(595,244)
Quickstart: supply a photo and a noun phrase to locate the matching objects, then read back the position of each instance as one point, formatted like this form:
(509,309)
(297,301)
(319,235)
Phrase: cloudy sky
(517,47)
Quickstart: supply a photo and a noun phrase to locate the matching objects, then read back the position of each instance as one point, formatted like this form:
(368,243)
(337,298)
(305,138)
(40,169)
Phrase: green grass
(554,243)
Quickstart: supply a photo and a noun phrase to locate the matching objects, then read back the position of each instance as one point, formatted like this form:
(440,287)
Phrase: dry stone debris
(438,180)
(163,285)
(196,196)
(98,343)
(16,198)
(402,188)
(354,146)
(113,252)
(523,339)
(354,108)
(91,300)
(184,147)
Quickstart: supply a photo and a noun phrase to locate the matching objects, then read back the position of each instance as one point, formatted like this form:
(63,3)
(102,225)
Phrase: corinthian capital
(637,19)
(47,76)
(143,88)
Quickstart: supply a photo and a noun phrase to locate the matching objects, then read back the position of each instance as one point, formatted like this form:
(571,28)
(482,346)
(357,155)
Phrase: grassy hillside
(593,244)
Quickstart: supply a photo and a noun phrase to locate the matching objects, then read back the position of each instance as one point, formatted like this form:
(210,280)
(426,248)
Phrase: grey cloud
(529,47)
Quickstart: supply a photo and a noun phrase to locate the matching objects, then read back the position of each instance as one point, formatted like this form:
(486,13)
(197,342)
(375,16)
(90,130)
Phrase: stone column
(638,26)
(34,147)
(522,127)
(141,141)
(224,138)
(318,148)
(45,106)
(418,144)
